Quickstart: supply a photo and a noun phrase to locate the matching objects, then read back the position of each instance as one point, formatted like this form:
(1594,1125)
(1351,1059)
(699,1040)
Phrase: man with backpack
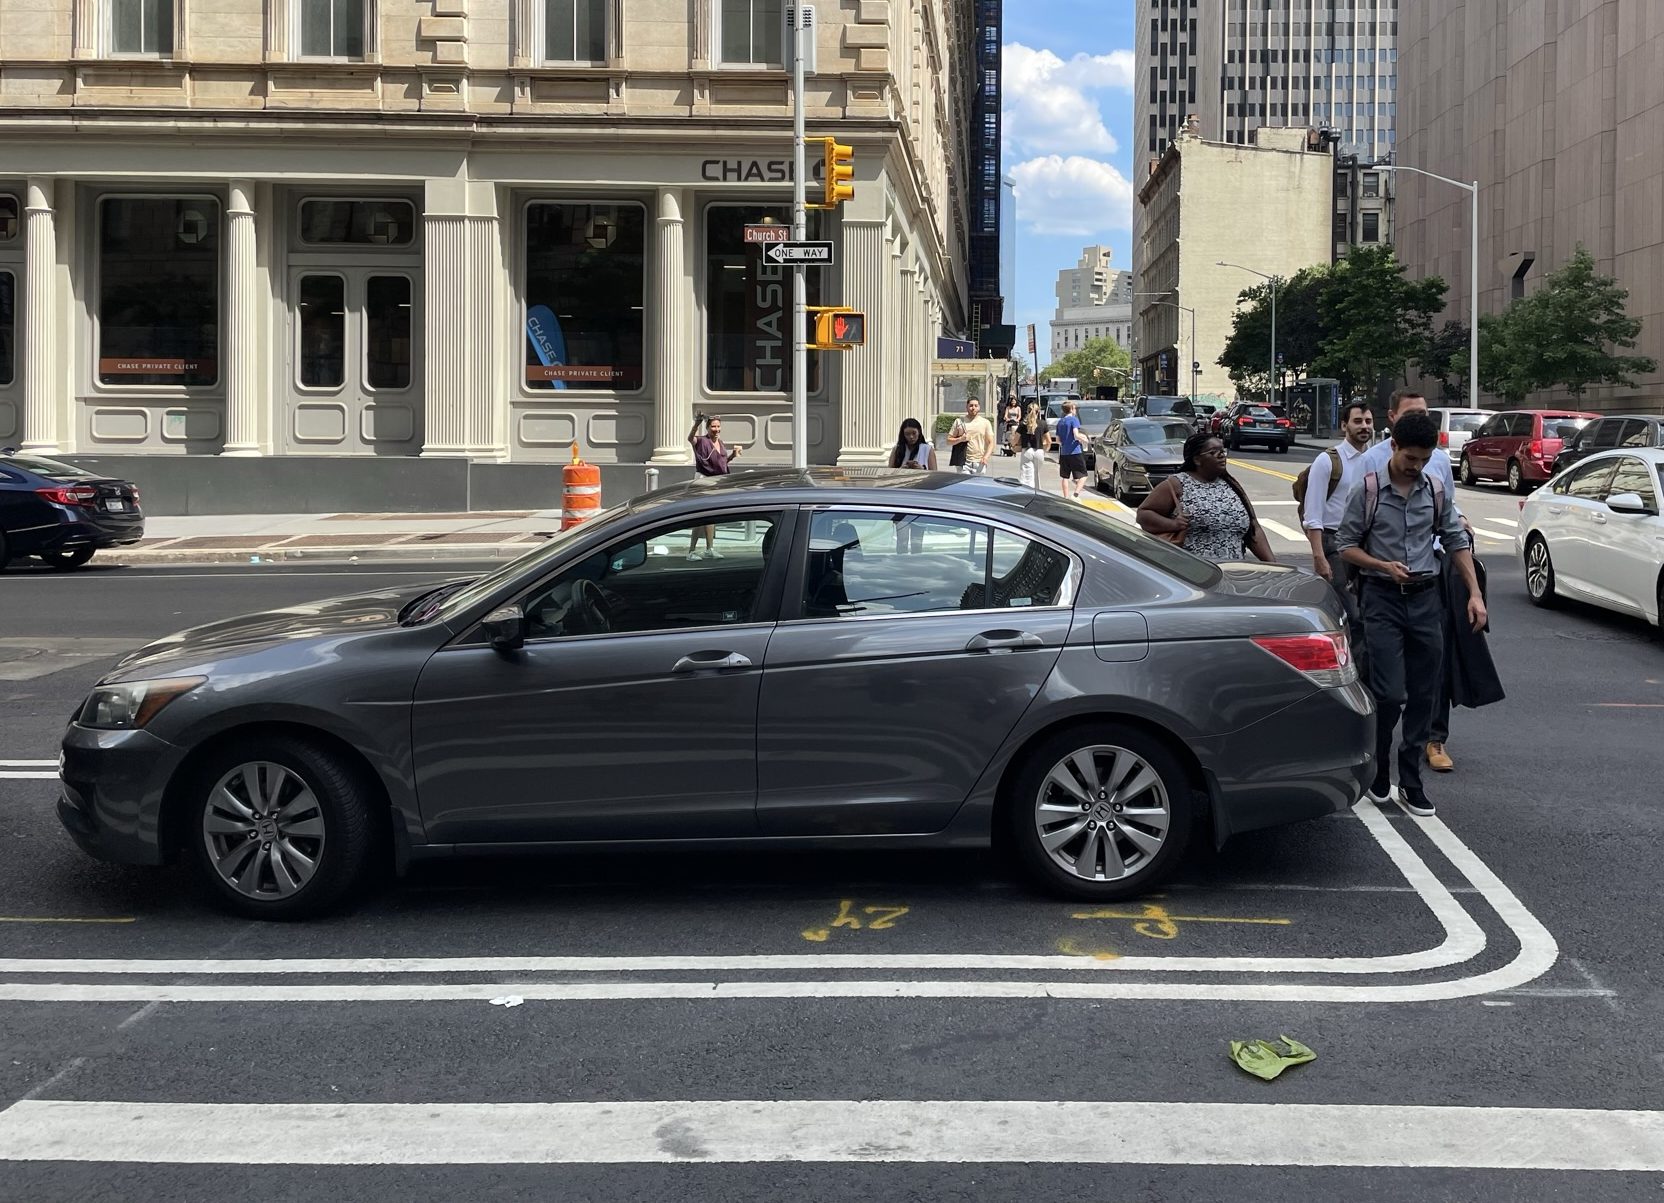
(1388,533)
(1322,489)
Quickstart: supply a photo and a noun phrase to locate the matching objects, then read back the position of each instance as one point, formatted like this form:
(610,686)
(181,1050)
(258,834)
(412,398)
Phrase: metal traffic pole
(795,14)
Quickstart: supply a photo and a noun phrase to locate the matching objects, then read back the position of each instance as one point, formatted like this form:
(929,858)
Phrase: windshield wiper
(423,608)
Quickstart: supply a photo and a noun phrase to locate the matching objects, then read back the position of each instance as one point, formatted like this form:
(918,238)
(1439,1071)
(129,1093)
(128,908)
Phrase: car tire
(1282,448)
(1051,835)
(1468,478)
(5,552)
(1539,573)
(334,829)
(1516,478)
(66,561)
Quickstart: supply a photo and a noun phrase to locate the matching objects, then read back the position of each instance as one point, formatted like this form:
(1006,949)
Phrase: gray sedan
(787,659)
(1137,454)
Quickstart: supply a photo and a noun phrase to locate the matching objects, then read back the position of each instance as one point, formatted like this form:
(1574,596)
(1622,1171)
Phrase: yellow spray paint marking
(46,919)
(1072,948)
(1237,463)
(1158,923)
(878,918)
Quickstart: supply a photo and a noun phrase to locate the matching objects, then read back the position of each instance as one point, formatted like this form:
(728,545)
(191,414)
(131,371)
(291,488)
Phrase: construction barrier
(581,492)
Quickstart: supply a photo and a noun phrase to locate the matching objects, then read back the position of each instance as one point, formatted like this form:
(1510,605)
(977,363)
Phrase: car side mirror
(1627,503)
(631,557)
(506,628)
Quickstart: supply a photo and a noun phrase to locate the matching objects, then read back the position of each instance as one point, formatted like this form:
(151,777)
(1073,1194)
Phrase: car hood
(1155,456)
(359,613)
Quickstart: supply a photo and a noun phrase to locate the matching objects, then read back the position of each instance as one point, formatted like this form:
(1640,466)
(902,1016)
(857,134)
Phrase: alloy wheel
(264,830)
(1516,481)
(1102,813)
(1539,572)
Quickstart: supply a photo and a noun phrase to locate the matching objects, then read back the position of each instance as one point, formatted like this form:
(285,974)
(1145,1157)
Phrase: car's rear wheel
(1468,478)
(1539,572)
(1516,478)
(280,828)
(1100,812)
(63,561)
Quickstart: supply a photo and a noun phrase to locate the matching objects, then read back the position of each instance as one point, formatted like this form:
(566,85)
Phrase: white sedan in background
(1594,534)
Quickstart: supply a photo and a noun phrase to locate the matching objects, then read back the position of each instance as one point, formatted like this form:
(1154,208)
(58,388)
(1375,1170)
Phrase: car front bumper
(113,788)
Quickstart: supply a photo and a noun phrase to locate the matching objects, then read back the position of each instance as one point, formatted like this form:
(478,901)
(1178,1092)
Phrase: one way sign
(818,253)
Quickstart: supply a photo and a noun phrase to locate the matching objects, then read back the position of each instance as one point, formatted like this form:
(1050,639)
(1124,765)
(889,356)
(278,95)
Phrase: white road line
(28,764)
(28,775)
(733,1131)
(1277,528)
(1500,536)
(1463,940)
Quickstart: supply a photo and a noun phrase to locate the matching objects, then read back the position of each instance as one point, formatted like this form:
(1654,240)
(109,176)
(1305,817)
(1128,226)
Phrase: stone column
(244,398)
(867,272)
(460,346)
(40,358)
(905,400)
(674,352)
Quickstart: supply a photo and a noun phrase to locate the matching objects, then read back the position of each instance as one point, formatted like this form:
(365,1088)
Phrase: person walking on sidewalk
(1071,452)
(1203,509)
(1407,401)
(976,434)
(1391,523)
(711,460)
(1327,486)
(1031,443)
(911,450)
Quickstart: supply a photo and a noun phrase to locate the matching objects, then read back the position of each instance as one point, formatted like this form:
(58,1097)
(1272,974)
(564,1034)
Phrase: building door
(354,367)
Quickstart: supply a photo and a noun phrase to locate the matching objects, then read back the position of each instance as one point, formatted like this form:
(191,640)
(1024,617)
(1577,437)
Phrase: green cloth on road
(1264,1060)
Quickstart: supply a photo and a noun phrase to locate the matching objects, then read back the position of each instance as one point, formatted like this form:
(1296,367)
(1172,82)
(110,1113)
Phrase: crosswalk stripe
(1287,1134)
(28,764)
(1286,532)
(29,775)
(1493,534)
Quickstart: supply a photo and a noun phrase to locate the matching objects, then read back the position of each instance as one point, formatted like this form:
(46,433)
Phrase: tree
(1083,364)
(1445,359)
(1375,320)
(1247,353)
(1566,334)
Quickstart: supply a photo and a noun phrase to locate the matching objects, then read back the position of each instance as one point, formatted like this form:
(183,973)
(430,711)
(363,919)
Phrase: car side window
(1634,476)
(679,577)
(1025,573)
(1589,481)
(1522,425)
(1599,435)
(865,564)
(1492,427)
(1635,434)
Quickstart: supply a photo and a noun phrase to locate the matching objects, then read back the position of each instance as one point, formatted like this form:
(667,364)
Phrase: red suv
(1519,446)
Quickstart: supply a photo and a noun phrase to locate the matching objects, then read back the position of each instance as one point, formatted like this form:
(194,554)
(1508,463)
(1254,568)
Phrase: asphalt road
(1485,984)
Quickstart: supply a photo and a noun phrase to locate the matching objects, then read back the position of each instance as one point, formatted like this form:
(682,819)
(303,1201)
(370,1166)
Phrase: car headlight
(131,705)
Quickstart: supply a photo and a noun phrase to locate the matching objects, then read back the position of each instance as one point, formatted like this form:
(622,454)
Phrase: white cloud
(1049,106)
(1072,195)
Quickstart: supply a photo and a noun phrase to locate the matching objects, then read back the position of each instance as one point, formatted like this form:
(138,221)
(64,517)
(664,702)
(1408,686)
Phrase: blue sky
(1068,140)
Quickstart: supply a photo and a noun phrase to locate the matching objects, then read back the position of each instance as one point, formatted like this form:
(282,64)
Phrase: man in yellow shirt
(977,433)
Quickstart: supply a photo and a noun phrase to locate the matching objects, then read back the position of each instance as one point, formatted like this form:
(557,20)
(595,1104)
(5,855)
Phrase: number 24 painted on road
(879,918)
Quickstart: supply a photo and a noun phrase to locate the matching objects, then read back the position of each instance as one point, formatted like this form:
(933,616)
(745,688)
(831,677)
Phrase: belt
(1418,584)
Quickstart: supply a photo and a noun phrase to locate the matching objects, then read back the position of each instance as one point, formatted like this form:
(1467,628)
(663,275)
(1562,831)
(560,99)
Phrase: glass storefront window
(387,327)
(322,330)
(585,283)
(10,227)
(357,222)
(158,290)
(8,328)
(748,304)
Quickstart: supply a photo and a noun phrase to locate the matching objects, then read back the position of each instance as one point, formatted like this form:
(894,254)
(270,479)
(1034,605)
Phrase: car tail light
(1324,658)
(69,494)
(1444,438)
(1245,421)
(1284,422)
(1535,450)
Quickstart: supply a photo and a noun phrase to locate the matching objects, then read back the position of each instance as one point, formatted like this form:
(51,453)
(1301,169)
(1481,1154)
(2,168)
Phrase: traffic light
(840,173)
(839,329)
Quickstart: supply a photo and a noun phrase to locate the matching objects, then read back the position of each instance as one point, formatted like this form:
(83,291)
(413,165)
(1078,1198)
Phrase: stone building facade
(336,235)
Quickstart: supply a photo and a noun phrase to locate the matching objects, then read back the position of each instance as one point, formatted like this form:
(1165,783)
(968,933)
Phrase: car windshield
(50,468)
(1158,407)
(1562,428)
(1465,422)
(479,590)
(1150,434)
(1098,415)
(1125,538)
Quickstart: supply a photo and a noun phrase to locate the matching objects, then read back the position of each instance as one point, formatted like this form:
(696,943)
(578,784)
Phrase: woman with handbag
(1203,509)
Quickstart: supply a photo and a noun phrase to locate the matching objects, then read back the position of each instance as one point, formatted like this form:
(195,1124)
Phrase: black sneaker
(1416,802)
(1381,790)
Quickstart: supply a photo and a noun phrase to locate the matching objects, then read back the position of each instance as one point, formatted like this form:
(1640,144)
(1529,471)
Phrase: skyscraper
(1165,78)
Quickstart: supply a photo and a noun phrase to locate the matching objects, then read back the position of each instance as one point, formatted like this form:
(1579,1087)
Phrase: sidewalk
(283,538)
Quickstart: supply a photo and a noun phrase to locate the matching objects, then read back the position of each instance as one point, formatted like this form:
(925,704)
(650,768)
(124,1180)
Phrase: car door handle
(1556,510)
(1599,518)
(1004,641)
(710,662)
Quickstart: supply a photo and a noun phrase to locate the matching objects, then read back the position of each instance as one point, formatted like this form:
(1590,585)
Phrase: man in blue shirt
(1071,452)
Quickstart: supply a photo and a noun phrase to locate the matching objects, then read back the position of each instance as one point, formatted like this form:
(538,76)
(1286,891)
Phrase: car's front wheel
(1100,812)
(1539,572)
(280,828)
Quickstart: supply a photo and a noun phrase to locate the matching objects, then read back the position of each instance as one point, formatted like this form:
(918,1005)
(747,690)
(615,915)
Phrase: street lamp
(1185,309)
(1473,285)
(1271,383)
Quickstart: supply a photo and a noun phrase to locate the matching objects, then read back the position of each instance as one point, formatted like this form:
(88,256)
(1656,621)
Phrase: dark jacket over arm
(1474,681)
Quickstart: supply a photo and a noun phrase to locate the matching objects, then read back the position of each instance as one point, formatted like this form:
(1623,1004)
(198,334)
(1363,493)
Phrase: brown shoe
(1438,759)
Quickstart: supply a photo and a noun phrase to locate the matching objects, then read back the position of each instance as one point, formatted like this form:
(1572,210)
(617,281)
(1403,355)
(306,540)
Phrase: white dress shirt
(1321,511)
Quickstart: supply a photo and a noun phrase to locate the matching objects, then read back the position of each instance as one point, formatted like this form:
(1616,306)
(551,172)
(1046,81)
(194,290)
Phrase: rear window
(1172,560)
(1562,428)
(1464,422)
(50,468)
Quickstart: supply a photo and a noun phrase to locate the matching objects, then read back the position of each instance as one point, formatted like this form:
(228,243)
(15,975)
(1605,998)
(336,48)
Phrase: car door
(1483,449)
(1625,549)
(910,645)
(631,711)
(1569,522)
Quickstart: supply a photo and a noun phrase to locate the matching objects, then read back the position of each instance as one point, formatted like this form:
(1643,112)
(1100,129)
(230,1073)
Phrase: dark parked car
(878,659)
(1138,454)
(1519,446)
(1153,406)
(1245,423)
(1611,434)
(1203,419)
(63,514)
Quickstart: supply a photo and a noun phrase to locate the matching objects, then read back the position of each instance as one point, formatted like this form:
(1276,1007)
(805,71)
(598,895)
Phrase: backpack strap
(1372,505)
(1335,470)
